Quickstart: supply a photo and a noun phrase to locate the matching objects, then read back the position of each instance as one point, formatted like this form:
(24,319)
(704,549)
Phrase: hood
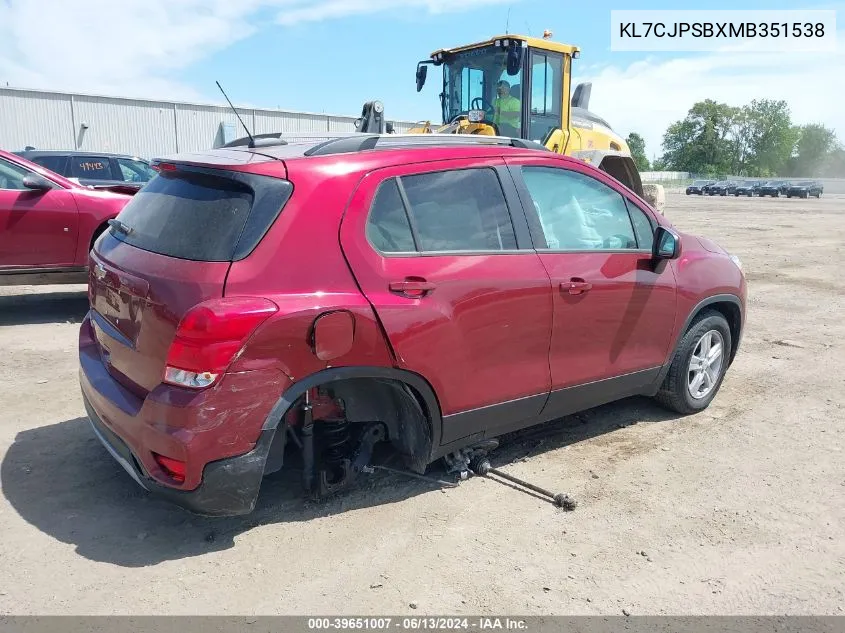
(710,245)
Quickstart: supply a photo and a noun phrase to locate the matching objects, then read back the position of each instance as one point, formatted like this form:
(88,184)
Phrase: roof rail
(359,142)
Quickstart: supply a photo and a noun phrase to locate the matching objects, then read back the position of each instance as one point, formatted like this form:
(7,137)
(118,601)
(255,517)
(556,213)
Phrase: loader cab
(509,86)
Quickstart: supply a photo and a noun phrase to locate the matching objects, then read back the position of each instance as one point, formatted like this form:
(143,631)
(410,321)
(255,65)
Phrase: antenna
(248,133)
(508,23)
(528,26)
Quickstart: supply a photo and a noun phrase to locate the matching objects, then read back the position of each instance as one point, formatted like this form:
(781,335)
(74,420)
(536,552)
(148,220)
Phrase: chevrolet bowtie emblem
(99,271)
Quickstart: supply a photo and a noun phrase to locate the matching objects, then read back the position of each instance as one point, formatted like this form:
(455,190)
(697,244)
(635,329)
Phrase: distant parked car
(698,186)
(773,188)
(96,169)
(48,223)
(805,189)
(720,188)
(745,188)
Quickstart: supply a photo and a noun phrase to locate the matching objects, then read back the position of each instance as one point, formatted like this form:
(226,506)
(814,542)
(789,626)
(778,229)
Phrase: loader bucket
(624,170)
(618,164)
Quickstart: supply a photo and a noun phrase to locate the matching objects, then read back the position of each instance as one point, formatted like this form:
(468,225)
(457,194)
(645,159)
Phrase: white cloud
(135,47)
(130,47)
(648,95)
(296,11)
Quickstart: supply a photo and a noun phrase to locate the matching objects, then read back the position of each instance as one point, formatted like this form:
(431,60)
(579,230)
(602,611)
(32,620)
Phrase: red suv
(48,223)
(430,291)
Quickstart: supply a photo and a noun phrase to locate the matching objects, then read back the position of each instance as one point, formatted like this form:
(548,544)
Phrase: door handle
(576,286)
(412,288)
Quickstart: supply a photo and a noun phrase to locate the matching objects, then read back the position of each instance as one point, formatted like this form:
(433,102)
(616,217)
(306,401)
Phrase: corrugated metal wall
(55,120)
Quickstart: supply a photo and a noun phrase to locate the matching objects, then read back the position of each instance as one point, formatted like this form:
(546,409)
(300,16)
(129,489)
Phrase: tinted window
(387,226)
(57,164)
(135,170)
(643,228)
(11,176)
(578,212)
(461,210)
(90,167)
(201,217)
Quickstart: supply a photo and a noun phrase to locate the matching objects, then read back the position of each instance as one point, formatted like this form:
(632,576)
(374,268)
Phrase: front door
(614,307)
(444,256)
(37,228)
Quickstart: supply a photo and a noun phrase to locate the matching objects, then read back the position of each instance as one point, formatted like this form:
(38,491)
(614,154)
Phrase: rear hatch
(169,249)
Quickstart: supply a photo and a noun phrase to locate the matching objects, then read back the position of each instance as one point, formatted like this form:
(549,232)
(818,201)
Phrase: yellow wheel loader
(518,86)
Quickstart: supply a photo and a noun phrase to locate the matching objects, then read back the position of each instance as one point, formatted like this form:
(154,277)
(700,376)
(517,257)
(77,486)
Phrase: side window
(460,210)
(387,225)
(57,164)
(578,212)
(546,73)
(135,170)
(642,227)
(91,167)
(11,176)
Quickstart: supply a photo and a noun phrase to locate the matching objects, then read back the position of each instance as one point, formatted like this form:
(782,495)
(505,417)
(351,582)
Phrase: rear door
(442,252)
(614,308)
(37,228)
(180,235)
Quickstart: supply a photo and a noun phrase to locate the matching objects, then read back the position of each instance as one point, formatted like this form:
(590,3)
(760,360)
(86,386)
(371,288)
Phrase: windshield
(477,79)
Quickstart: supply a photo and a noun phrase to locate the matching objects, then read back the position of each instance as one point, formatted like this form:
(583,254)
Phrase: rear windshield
(202,215)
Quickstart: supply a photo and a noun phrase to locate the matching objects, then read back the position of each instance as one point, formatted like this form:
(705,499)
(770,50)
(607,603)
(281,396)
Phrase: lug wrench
(482,468)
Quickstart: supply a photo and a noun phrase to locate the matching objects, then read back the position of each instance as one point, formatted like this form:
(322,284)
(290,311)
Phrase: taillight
(174,468)
(209,337)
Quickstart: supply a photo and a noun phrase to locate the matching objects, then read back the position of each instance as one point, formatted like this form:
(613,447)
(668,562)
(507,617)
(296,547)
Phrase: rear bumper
(229,486)
(218,433)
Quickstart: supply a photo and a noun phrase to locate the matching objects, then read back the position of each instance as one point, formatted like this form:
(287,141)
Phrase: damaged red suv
(296,301)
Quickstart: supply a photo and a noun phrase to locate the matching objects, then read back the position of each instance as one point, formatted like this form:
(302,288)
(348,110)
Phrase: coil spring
(335,438)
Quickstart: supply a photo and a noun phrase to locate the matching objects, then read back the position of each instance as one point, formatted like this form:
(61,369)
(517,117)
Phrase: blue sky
(332,55)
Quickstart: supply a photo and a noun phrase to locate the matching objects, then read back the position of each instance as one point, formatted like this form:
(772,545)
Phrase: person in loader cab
(506,110)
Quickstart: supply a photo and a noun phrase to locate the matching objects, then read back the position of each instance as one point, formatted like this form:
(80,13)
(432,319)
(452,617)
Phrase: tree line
(756,140)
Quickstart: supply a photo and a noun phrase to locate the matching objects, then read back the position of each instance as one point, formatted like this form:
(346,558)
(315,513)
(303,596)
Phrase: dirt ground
(737,510)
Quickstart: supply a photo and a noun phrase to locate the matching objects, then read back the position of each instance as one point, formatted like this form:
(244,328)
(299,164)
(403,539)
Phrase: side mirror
(667,244)
(422,73)
(37,183)
(514,60)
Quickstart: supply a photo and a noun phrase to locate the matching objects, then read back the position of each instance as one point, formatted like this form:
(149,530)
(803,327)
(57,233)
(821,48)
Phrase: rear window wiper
(119,226)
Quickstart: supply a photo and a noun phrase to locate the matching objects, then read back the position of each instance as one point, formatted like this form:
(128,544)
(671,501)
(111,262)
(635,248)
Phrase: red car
(48,223)
(430,292)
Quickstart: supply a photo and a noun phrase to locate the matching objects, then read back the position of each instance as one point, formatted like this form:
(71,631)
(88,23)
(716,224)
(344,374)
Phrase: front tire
(698,366)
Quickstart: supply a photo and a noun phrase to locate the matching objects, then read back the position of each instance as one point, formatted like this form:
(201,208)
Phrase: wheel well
(730,311)
(396,404)
(97,233)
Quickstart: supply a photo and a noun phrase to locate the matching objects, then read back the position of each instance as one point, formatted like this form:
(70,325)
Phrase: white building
(63,120)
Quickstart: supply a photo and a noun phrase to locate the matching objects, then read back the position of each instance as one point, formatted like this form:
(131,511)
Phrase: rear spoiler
(129,190)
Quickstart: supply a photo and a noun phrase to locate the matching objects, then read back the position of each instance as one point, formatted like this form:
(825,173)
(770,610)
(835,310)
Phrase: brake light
(209,337)
(174,468)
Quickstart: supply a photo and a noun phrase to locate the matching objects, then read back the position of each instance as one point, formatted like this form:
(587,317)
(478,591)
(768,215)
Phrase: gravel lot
(737,510)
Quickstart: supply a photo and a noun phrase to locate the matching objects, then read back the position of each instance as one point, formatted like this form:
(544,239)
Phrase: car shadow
(65,306)
(61,480)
